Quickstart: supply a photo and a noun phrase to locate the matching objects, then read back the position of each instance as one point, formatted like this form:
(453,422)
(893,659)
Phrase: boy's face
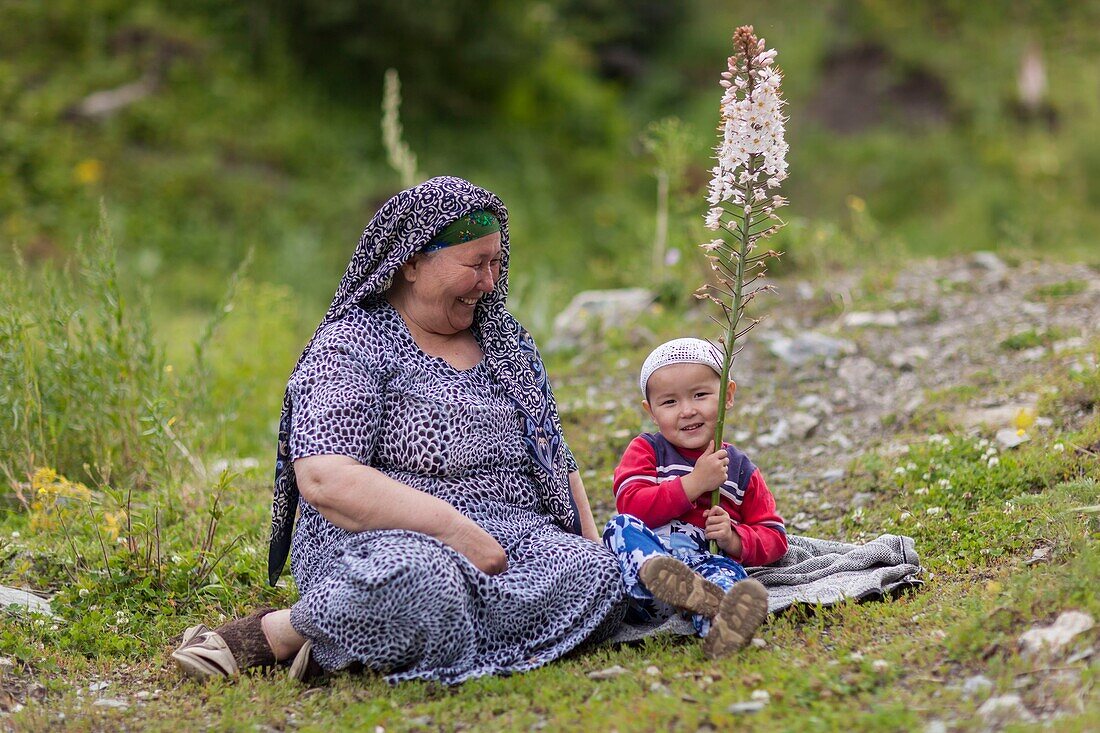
(683,400)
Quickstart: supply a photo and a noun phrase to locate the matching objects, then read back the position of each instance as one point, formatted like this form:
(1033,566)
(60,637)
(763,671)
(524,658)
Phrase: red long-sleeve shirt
(649,485)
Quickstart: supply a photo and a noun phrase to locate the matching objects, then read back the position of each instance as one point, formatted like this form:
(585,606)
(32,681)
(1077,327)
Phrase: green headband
(467,228)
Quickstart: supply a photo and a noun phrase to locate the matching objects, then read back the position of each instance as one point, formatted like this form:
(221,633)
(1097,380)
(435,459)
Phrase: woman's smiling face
(446,285)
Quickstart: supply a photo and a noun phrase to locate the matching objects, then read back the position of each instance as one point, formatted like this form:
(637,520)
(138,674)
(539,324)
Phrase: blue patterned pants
(633,543)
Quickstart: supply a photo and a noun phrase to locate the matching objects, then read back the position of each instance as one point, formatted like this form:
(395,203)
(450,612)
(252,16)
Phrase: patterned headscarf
(401,228)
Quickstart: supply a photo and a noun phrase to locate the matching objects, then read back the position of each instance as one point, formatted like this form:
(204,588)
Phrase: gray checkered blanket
(819,572)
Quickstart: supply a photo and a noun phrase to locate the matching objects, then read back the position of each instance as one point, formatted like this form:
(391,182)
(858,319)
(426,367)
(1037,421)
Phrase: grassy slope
(183,179)
(874,666)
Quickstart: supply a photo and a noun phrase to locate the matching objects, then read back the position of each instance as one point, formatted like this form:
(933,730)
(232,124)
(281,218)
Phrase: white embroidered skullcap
(680,351)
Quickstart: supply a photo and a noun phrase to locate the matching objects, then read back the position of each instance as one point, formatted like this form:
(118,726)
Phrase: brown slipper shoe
(674,583)
(225,651)
(741,612)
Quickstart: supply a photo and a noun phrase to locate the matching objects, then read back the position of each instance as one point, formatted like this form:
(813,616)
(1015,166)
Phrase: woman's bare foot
(281,636)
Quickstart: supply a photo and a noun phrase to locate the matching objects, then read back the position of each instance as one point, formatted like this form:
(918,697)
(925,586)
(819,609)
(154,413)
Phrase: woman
(444,530)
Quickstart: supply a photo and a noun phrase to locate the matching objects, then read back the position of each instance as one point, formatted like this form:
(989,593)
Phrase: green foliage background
(263,130)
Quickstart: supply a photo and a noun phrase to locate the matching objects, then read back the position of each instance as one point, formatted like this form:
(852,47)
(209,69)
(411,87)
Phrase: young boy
(663,488)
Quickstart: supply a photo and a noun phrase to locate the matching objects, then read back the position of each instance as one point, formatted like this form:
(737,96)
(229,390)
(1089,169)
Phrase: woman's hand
(479,547)
(720,529)
(711,470)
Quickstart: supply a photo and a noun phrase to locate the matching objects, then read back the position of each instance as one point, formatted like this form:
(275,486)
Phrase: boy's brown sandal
(225,651)
(740,613)
(674,583)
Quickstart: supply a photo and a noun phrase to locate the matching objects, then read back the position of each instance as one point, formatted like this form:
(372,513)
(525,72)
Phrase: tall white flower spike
(751,161)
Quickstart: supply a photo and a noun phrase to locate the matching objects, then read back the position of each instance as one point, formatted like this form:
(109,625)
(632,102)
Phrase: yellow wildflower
(88,171)
(113,523)
(1024,419)
(53,493)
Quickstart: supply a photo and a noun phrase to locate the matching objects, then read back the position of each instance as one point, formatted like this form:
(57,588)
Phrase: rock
(1038,555)
(803,425)
(759,643)
(739,708)
(36,691)
(840,439)
(1052,638)
(778,434)
(1031,308)
(109,702)
(857,371)
(597,308)
(606,674)
(815,404)
(761,696)
(914,402)
(1010,437)
(935,726)
(1072,343)
(909,359)
(802,521)
(995,415)
(882,319)
(977,686)
(1035,353)
(652,671)
(833,475)
(860,499)
(25,600)
(999,711)
(806,347)
(989,262)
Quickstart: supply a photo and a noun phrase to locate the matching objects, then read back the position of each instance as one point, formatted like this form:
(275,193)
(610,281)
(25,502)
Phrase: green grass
(872,666)
(1031,338)
(132,365)
(131,569)
(1058,290)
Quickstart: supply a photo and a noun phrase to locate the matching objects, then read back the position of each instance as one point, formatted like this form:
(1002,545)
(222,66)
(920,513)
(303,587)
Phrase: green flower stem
(737,307)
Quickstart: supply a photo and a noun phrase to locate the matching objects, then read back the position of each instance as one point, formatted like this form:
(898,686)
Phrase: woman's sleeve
(336,400)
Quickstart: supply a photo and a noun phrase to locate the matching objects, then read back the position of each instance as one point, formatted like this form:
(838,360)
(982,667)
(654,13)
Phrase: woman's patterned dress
(401,602)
